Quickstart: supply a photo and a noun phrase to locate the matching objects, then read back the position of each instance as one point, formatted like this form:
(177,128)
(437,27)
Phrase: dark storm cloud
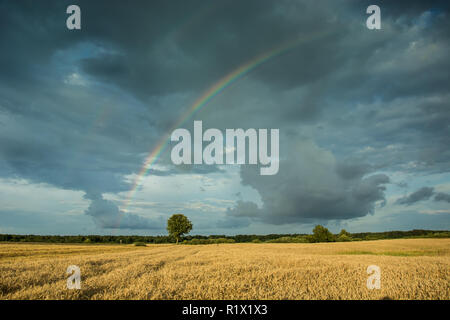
(351,170)
(372,100)
(159,46)
(424,193)
(64,144)
(311,186)
(186,46)
(442,197)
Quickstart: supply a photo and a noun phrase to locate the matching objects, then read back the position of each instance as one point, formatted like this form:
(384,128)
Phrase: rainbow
(207,96)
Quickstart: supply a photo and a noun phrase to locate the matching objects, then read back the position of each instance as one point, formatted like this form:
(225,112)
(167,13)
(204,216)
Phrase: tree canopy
(322,234)
(177,225)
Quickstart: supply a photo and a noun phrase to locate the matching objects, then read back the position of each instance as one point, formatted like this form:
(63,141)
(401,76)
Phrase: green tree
(177,225)
(344,233)
(322,234)
(343,238)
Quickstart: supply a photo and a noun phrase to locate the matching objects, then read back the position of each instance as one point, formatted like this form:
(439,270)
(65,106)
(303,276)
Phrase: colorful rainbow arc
(207,96)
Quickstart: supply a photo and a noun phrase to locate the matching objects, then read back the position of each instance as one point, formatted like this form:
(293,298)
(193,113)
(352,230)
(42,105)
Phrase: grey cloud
(442,197)
(310,187)
(366,95)
(351,170)
(244,208)
(231,222)
(106,214)
(424,193)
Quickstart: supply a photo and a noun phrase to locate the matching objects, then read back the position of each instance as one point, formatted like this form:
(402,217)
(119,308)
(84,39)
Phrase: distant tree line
(320,234)
(85,239)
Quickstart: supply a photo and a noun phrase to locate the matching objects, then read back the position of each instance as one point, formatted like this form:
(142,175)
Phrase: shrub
(140,244)
(344,232)
(440,235)
(222,240)
(343,238)
(301,239)
(209,241)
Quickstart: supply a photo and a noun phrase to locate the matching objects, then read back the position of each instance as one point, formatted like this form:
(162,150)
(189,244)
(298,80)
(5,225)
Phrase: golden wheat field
(410,269)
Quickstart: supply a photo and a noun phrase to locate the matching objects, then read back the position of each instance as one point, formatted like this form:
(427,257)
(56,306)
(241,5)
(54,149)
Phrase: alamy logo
(374,20)
(215,151)
(74,281)
(374,279)
(73,22)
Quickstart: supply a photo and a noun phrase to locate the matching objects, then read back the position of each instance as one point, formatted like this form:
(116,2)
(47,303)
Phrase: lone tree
(177,225)
(322,234)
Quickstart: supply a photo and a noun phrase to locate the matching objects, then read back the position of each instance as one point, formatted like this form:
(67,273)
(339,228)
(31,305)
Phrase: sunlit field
(410,269)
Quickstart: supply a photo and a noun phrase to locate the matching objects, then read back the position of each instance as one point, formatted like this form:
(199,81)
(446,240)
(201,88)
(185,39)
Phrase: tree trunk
(177,241)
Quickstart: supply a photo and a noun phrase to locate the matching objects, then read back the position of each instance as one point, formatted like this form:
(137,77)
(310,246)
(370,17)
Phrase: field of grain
(410,269)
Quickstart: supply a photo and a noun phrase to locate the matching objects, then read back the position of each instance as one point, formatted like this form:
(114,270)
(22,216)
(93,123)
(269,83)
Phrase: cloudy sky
(364,115)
